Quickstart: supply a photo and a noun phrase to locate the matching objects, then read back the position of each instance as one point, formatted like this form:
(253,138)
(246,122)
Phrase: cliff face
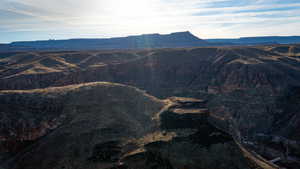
(105,125)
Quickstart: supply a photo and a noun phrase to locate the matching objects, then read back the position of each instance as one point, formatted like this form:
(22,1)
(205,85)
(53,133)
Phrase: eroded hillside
(163,72)
(108,126)
(252,92)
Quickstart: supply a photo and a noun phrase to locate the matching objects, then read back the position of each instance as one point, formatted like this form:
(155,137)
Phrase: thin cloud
(108,18)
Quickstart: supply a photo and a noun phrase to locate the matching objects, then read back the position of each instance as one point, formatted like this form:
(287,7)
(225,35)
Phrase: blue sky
(61,19)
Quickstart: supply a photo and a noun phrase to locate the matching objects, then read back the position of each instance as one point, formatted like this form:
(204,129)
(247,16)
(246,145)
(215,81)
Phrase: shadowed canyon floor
(252,93)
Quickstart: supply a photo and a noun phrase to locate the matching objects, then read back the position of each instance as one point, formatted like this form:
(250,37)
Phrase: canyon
(193,107)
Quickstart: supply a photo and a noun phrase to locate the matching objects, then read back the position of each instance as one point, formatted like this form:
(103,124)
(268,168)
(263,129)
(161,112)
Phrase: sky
(23,20)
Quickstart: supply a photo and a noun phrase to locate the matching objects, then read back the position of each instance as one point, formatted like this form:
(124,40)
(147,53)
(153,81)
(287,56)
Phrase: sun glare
(131,8)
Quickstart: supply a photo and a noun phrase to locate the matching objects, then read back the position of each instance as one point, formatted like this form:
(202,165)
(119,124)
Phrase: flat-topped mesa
(186,103)
(190,111)
(173,40)
(184,113)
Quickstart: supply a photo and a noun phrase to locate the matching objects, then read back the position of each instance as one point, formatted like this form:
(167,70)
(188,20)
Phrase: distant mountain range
(173,40)
(259,40)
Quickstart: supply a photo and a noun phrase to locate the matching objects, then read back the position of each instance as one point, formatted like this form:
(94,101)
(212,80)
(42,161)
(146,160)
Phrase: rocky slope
(109,126)
(162,72)
(66,121)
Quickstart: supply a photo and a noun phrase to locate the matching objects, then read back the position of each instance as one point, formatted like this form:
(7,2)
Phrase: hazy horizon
(26,20)
(146,34)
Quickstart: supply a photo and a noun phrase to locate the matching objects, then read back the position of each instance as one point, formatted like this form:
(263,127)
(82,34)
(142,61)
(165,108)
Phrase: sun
(133,16)
(131,8)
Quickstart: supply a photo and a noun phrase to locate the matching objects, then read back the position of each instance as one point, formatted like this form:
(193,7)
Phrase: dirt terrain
(251,95)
